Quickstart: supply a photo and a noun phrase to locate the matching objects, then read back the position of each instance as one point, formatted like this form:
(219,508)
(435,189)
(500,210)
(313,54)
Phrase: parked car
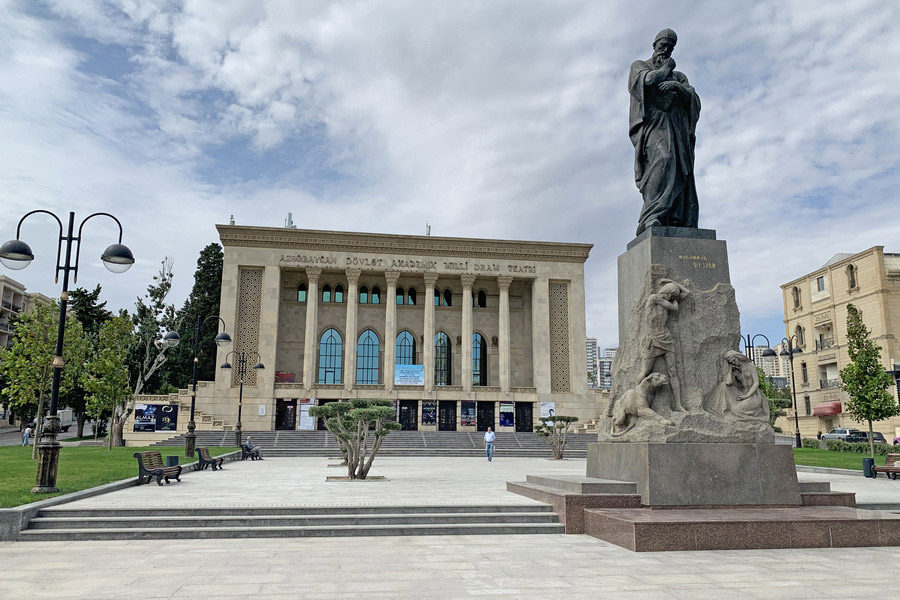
(840,433)
(897,441)
(863,436)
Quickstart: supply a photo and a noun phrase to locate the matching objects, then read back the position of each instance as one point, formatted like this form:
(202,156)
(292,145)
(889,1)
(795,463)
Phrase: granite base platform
(656,530)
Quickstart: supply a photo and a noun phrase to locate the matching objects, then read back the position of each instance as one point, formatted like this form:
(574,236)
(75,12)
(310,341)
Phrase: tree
(353,423)
(147,354)
(26,365)
(865,379)
(555,430)
(779,398)
(106,379)
(203,302)
(92,314)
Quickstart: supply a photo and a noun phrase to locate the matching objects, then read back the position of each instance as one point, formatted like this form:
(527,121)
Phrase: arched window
(479,360)
(406,349)
(367,358)
(800,337)
(851,276)
(448,297)
(363,295)
(480,300)
(301,293)
(326,293)
(331,351)
(437,297)
(401,297)
(338,293)
(411,296)
(442,353)
(376,295)
(796,294)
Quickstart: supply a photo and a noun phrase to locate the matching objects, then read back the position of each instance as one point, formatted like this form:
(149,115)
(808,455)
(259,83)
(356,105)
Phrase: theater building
(460,333)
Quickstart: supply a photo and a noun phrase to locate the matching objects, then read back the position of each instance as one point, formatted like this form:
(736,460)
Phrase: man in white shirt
(489,443)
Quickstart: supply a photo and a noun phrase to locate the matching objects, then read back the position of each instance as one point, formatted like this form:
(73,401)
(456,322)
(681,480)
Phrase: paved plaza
(514,566)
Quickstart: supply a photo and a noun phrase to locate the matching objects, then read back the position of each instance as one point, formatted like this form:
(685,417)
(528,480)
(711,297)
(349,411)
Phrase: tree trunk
(871,442)
(81,420)
(38,427)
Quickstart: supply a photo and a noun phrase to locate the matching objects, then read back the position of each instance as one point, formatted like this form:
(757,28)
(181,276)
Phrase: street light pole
(16,254)
(241,356)
(172,339)
(791,350)
(748,346)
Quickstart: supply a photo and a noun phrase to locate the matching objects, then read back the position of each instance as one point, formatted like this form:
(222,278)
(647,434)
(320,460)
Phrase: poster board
(507,414)
(409,375)
(548,409)
(306,422)
(429,412)
(467,413)
(150,418)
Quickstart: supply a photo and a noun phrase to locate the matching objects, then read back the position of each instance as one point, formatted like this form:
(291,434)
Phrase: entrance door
(409,415)
(447,415)
(524,417)
(286,414)
(320,423)
(484,415)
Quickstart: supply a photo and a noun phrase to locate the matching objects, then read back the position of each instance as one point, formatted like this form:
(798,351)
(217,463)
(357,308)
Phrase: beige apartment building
(460,333)
(815,309)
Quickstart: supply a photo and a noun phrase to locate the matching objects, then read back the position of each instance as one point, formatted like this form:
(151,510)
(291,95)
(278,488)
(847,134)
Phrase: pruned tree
(865,379)
(555,430)
(106,377)
(360,427)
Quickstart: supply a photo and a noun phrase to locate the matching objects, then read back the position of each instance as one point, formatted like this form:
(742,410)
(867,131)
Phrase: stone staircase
(66,524)
(591,427)
(398,443)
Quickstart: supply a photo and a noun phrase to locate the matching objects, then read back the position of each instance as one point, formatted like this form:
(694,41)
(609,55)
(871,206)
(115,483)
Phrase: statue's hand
(670,86)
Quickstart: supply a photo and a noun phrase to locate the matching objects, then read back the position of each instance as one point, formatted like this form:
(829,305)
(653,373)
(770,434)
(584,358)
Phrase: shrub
(809,443)
(857,447)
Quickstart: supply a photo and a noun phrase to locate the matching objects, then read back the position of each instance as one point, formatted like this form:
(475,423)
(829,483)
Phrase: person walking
(26,436)
(489,437)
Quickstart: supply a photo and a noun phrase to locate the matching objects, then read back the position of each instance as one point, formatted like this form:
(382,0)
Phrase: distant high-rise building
(591,349)
(766,363)
(604,368)
(14,300)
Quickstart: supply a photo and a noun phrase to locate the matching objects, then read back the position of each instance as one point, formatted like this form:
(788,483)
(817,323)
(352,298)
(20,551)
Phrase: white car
(840,433)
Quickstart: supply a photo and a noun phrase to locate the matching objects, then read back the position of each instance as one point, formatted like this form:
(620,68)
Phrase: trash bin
(172,461)
(869,467)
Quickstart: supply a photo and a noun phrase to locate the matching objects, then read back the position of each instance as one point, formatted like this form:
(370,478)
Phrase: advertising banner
(429,413)
(467,414)
(145,417)
(409,375)
(548,409)
(306,422)
(507,414)
(167,417)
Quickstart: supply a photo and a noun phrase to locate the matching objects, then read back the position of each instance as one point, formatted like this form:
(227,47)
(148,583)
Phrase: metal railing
(824,343)
(829,383)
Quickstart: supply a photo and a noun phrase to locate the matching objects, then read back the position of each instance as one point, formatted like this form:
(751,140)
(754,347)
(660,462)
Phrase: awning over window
(826,409)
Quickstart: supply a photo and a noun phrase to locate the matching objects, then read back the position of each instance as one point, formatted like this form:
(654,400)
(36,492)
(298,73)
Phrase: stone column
(428,331)
(310,341)
(467,281)
(350,330)
(504,281)
(390,329)
(540,335)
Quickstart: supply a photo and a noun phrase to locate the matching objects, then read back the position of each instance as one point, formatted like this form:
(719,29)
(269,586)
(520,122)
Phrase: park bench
(248,453)
(891,466)
(150,465)
(206,460)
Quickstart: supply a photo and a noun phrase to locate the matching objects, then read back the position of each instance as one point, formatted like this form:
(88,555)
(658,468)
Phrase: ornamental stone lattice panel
(559,337)
(247,326)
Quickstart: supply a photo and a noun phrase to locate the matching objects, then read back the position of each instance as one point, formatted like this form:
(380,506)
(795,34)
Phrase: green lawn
(79,468)
(813,457)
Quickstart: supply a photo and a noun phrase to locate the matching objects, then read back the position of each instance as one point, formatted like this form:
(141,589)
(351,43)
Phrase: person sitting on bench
(255,451)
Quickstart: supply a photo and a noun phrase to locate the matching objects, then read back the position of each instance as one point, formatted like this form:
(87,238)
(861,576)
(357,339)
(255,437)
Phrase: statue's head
(664,43)
(656,380)
(670,291)
(736,358)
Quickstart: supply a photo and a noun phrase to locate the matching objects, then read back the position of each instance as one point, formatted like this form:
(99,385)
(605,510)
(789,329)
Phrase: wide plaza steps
(398,443)
(61,524)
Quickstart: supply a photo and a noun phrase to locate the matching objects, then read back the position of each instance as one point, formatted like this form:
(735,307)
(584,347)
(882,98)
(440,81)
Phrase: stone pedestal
(700,474)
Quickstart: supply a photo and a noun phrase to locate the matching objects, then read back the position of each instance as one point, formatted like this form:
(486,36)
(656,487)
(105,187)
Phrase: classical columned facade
(496,326)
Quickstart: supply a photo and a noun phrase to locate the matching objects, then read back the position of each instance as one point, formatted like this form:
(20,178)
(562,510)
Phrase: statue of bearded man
(663,118)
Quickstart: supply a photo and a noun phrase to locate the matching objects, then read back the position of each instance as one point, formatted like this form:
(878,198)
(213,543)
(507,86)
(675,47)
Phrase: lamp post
(171,339)
(790,352)
(16,254)
(748,346)
(241,356)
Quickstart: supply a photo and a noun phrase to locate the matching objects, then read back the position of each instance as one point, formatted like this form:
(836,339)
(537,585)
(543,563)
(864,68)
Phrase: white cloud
(500,119)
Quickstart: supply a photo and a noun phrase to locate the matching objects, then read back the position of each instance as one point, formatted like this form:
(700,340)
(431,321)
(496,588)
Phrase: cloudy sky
(503,119)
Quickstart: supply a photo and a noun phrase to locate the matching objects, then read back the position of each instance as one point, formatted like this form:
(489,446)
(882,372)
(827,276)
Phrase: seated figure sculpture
(738,395)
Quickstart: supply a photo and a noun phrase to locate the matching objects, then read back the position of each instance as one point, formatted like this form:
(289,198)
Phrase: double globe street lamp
(171,339)
(16,254)
(242,357)
(789,349)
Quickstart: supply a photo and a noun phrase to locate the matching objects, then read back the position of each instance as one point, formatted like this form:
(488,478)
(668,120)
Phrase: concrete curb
(828,470)
(15,519)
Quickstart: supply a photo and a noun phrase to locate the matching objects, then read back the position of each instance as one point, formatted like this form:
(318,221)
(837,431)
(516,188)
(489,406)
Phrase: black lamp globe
(223,339)
(171,339)
(768,352)
(117,258)
(16,255)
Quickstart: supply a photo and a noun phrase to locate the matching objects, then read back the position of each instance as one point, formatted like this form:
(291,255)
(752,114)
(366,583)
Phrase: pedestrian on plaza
(489,437)
(26,436)
(255,451)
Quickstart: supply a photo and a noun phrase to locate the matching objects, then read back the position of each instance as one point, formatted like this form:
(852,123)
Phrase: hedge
(858,447)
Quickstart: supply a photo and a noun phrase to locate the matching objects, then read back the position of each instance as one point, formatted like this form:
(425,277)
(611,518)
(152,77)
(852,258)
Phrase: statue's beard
(659,59)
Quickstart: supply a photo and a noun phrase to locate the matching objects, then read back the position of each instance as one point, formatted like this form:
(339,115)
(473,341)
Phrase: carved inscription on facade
(400,264)
(698,261)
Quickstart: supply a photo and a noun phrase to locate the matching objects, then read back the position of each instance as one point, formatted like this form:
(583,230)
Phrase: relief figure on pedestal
(738,394)
(660,344)
(635,403)
(662,122)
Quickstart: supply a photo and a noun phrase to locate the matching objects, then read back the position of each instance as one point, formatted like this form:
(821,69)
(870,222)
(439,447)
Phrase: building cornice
(344,241)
